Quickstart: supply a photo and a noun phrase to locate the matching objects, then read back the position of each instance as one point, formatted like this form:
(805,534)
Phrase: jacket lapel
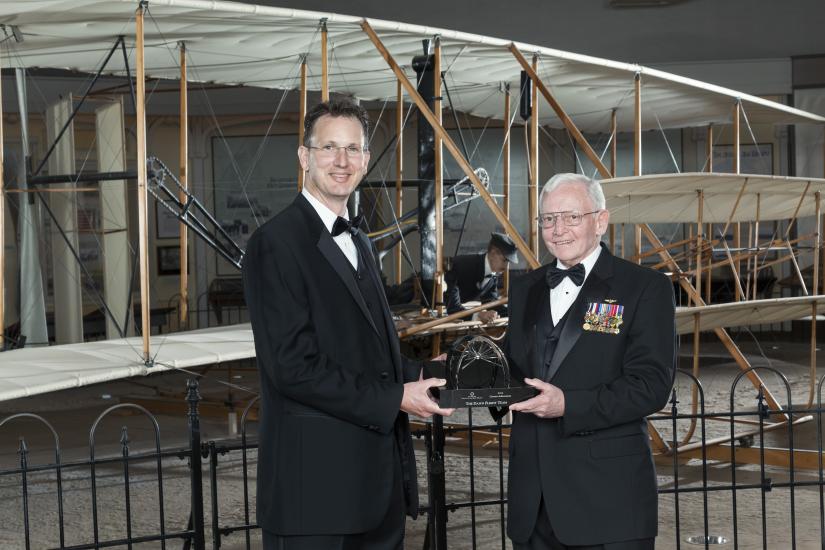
(538,296)
(595,289)
(342,267)
(363,244)
(333,254)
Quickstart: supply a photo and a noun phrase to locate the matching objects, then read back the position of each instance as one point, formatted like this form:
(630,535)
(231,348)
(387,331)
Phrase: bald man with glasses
(595,335)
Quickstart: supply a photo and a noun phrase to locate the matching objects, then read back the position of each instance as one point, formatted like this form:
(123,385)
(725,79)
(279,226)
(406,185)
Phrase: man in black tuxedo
(335,464)
(595,335)
(475,276)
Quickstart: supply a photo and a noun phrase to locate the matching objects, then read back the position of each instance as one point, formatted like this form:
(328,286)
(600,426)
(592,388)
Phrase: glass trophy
(478,375)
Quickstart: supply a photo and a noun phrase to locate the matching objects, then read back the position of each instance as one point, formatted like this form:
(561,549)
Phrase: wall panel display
(753,159)
(254,178)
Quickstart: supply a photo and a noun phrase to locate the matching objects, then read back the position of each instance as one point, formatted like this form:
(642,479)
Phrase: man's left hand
(549,403)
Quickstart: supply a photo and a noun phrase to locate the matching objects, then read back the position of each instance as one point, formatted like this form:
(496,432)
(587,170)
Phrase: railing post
(23,451)
(213,486)
(124,450)
(193,398)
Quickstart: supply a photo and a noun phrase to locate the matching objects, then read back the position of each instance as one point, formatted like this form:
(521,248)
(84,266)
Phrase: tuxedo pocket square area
(605,317)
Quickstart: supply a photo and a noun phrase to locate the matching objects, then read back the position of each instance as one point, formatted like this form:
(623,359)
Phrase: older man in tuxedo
(595,335)
(335,467)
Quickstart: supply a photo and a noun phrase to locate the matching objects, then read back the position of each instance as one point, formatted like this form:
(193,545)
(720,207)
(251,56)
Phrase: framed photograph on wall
(168,258)
(167,224)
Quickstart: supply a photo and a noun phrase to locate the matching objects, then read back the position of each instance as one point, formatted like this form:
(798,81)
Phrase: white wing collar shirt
(563,296)
(344,240)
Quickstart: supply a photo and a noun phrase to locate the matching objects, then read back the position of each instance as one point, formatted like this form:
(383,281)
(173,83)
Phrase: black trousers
(543,538)
(389,535)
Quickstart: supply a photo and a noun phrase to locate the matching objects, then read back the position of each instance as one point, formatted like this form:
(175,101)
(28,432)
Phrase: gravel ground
(73,412)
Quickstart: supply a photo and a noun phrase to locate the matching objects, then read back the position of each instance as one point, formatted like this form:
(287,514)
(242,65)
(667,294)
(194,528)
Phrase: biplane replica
(419,84)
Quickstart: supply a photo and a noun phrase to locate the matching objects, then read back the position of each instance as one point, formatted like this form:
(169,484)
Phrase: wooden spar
(709,148)
(143,225)
(796,269)
(736,144)
(2,230)
(712,449)
(812,368)
(796,211)
(184,173)
(450,318)
(324,62)
(399,170)
(817,242)
(565,119)
(505,172)
(709,281)
(451,147)
(668,246)
(700,211)
(533,189)
(737,242)
(735,206)
(733,263)
(637,125)
(721,333)
(439,182)
(302,111)
(694,388)
(738,256)
(751,273)
(756,242)
(637,149)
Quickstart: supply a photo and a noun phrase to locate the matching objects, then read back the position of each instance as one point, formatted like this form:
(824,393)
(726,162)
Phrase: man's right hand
(418,401)
(488,316)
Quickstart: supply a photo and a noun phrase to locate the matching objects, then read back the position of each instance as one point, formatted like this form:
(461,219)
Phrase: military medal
(605,317)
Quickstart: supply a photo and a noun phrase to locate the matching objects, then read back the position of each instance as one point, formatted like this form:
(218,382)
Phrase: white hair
(593,187)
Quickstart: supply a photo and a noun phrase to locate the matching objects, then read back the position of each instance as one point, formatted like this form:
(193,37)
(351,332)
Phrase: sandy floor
(72,413)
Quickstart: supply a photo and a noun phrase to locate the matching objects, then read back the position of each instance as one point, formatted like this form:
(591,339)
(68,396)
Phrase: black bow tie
(342,225)
(556,275)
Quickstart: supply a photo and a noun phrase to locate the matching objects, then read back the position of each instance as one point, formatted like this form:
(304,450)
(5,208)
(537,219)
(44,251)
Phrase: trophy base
(484,397)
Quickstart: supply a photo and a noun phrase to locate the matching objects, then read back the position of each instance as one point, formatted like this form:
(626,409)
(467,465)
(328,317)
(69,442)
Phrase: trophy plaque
(478,375)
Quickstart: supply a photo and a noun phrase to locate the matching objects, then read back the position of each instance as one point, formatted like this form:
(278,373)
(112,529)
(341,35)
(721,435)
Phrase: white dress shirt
(344,240)
(563,296)
(488,272)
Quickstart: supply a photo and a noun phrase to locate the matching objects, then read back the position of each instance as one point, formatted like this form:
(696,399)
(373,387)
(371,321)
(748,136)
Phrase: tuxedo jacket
(593,465)
(463,279)
(330,431)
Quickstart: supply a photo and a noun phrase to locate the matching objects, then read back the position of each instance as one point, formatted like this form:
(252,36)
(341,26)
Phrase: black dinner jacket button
(385,375)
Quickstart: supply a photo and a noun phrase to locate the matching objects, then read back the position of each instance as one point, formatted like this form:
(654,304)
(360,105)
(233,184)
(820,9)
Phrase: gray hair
(593,187)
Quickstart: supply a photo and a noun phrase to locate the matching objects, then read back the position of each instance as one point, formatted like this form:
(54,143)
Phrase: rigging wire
(667,144)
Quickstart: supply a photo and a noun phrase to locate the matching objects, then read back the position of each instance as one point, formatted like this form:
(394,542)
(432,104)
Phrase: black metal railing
(128,485)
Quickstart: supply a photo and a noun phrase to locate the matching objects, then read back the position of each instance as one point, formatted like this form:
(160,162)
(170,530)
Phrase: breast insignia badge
(603,317)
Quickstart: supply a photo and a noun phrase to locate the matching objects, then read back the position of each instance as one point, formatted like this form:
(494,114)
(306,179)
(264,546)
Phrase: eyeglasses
(330,151)
(570,219)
